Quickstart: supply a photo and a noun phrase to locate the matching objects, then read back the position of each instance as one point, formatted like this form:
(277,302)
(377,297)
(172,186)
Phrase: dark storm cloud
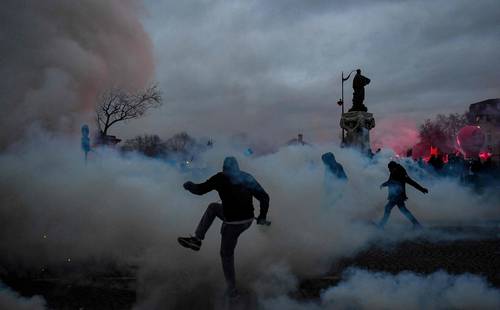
(272,67)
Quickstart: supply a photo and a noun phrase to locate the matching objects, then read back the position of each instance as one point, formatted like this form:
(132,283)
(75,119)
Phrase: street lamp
(341,100)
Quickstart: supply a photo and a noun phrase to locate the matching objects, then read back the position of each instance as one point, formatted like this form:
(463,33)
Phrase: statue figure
(357,125)
(358,84)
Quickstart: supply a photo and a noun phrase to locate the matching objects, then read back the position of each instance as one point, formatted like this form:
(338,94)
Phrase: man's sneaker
(190,242)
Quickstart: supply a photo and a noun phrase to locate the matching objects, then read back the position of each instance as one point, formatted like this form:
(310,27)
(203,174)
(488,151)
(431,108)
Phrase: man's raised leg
(213,210)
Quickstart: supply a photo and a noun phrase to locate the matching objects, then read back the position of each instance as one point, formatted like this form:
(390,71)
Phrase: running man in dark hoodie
(397,193)
(236,190)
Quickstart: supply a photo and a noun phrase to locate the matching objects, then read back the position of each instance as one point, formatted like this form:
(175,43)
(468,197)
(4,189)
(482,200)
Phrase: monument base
(357,125)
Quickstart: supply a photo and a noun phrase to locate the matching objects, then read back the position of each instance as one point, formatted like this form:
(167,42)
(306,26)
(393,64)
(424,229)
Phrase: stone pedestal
(357,125)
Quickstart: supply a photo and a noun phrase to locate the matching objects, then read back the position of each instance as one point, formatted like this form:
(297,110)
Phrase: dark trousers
(229,239)
(401,205)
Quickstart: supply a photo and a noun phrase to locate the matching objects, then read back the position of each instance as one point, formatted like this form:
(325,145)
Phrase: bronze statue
(358,84)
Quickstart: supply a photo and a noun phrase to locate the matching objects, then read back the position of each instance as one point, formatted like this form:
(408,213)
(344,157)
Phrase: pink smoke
(398,134)
(70,51)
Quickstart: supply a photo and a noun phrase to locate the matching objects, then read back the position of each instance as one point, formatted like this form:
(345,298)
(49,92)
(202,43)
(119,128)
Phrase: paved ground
(481,257)
(473,250)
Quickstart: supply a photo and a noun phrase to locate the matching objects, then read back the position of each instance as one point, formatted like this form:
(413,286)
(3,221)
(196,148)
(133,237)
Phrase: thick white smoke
(13,301)
(362,289)
(58,55)
(55,210)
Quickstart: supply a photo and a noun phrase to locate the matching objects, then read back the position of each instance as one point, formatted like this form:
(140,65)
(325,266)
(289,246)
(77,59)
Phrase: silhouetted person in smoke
(397,193)
(333,168)
(358,84)
(85,141)
(455,166)
(421,162)
(236,190)
(334,172)
(473,176)
(436,162)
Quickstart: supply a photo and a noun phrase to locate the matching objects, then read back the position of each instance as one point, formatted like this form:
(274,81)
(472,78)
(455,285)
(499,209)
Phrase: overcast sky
(270,69)
(273,67)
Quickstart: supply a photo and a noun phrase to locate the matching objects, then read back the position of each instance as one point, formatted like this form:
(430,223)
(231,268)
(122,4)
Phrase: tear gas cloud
(130,209)
(55,210)
(366,290)
(13,301)
(58,55)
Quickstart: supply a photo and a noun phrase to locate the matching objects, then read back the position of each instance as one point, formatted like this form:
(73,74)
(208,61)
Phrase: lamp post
(341,101)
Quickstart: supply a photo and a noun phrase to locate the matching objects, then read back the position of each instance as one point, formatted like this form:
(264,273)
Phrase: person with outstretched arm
(396,184)
(236,189)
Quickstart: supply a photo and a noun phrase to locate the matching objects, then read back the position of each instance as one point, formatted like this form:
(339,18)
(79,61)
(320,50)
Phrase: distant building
(486,115)
(297,141)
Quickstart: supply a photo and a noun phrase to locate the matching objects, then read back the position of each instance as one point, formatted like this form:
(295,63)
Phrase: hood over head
(230,165)
(328,158)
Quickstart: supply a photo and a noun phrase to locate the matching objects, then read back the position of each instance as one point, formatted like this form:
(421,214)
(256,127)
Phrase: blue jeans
(401,205)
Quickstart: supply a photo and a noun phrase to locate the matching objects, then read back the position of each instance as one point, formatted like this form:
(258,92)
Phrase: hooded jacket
(236,189)
(333,166)
(397,183)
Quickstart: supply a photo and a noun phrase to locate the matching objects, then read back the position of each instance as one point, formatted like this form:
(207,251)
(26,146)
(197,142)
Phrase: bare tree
(442,131)
(452,123)
(181,144)
(149,145)
(432,133)
(116,105)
